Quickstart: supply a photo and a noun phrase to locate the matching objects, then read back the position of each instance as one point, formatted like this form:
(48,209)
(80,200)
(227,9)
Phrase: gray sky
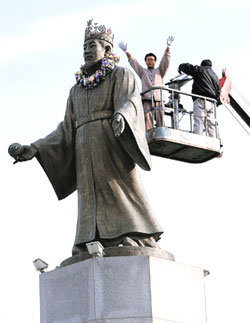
(204,209)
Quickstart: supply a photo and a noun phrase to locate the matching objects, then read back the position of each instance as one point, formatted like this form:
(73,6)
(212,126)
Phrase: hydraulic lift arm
(231,95)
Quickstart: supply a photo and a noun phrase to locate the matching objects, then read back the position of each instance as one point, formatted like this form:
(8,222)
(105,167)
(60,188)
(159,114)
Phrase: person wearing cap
(95,148)
(205,83)
(150,77)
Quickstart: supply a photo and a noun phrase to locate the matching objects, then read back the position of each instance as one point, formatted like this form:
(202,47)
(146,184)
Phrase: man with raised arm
(95,148)
(151,76)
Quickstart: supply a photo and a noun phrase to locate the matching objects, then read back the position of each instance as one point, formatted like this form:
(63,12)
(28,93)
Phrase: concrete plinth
(138,289)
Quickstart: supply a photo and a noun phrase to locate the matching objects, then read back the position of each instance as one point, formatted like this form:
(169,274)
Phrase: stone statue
(95,148)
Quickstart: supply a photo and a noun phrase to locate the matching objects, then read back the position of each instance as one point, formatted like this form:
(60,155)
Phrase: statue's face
(93,52)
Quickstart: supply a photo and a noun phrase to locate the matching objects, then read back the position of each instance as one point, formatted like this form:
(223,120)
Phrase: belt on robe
(93,117)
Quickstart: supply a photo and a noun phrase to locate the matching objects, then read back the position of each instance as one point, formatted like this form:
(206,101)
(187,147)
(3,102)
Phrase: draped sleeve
(56,154)
(127,102)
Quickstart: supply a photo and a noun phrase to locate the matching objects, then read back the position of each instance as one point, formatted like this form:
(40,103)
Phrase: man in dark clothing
(206,83)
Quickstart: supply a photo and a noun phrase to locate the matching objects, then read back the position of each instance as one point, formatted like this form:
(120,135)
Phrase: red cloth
(225,88)
(222,81)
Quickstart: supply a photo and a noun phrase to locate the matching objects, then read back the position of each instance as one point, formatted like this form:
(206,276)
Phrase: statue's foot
(79,249)
(127,241)
(140,242)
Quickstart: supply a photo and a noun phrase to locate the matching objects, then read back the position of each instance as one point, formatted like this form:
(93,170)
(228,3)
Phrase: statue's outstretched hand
(170,40)
(123,46)
(28,154)
(118,125)
(22,153)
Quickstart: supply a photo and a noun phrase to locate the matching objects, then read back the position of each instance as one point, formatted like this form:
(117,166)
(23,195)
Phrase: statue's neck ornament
(108,64)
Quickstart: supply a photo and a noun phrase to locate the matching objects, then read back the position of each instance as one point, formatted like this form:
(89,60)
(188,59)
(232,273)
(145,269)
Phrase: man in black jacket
(206,83)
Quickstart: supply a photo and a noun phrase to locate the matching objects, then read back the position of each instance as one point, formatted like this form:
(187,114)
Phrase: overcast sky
(204,209)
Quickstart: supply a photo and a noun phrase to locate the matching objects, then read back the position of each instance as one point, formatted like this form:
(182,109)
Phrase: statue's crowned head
(95,31)
(98,43)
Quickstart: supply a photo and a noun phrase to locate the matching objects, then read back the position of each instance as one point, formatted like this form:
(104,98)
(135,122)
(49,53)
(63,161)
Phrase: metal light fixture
(40,265)
(95,248)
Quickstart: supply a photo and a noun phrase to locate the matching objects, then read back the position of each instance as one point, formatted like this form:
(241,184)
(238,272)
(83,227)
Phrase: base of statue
(129,289)
(121,251)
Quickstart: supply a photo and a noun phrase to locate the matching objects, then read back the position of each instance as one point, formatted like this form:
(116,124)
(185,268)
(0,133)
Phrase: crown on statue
(95,31)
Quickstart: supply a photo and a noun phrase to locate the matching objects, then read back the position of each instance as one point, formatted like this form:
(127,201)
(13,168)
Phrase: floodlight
(40,265)
(95,248)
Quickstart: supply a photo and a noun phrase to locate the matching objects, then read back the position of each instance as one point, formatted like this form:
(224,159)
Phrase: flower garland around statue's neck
(108,64)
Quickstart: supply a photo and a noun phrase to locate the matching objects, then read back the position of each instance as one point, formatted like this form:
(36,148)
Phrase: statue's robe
(83,154)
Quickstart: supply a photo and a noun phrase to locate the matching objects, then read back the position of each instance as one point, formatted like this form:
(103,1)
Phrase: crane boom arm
(240,104)
(229,94)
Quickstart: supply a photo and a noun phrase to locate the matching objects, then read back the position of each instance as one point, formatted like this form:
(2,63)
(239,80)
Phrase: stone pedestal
(135,289)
